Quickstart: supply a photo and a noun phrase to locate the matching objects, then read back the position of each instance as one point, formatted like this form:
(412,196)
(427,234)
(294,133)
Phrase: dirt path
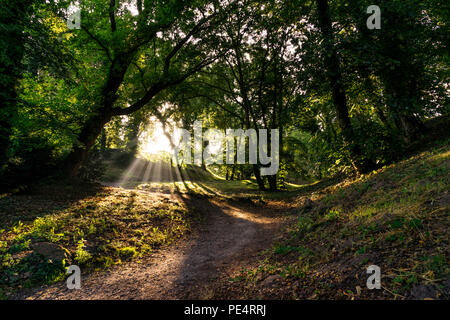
(230,239)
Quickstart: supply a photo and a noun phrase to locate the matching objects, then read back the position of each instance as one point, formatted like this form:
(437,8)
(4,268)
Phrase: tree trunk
(259,179)
(409,126)
(133,139)
(233,170)
(360,164)
(103,141)
(86,140)
(272,182)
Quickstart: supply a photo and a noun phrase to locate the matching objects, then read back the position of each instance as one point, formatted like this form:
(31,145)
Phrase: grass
(195,181)
(95,226)
(396,217)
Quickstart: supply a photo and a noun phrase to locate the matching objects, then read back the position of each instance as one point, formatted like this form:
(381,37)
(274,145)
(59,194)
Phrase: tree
(155,45)
(14,17)
(360,163)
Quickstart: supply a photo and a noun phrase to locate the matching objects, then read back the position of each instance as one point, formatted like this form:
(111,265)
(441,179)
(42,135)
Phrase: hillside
(396,217)
(322,236)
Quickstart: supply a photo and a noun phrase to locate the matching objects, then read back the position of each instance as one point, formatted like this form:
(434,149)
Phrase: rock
(271,280)
(51,251)
(421,292)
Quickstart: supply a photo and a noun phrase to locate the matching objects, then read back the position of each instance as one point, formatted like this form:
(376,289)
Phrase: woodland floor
(313,242)
(229,240)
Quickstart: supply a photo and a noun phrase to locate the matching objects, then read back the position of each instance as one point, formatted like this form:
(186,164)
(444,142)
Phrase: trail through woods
(230,239)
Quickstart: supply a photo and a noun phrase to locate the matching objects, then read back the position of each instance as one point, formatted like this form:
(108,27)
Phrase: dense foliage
(345,98)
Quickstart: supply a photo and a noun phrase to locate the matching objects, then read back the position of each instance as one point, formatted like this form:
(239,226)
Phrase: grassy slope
(396,218)
(196,180)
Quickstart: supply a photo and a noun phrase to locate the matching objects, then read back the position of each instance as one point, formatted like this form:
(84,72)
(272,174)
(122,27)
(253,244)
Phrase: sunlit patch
(154,142)
(152,167)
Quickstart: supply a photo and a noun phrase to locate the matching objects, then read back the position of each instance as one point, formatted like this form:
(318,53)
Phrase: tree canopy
(344,97)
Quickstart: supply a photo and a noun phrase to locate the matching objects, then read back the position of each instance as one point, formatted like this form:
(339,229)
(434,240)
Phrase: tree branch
(183,41)
(158,87)
(219,105)
(108,54)
(112,17)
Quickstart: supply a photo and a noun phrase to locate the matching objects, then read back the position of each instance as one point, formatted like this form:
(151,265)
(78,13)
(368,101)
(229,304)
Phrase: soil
(230,239)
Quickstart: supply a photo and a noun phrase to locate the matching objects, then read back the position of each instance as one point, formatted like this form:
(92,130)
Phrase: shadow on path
(233,234)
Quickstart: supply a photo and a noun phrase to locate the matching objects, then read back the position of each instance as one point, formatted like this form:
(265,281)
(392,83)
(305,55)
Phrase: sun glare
(155,142)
